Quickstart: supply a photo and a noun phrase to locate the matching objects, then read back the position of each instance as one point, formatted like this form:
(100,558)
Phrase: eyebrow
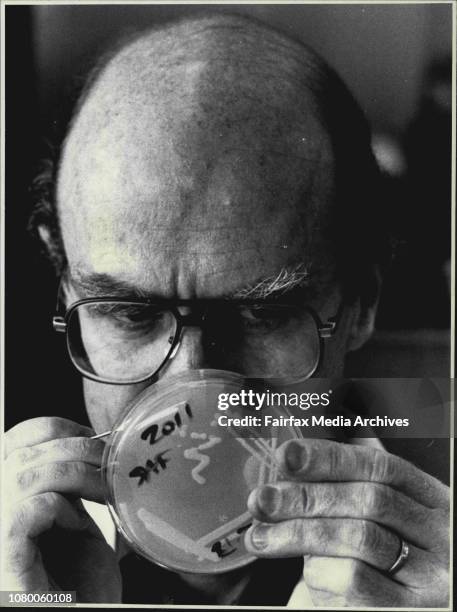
(103,285)
(289,282)
(286,282)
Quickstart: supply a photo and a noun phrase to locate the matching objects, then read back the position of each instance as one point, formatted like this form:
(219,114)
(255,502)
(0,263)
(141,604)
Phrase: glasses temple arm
(328,329)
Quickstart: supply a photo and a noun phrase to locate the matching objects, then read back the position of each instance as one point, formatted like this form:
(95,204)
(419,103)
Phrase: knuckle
(44,502)
(308,500)
(21,456)
(27,478)
(368,536)
(83,445)
(29,508)
(368,498)
(53,499)
(376,500)
(71,447)
(333,458)
(25,455)
(384,467)
(57,427)
(325,534)
(63,470)
(48,425)
(326,501)
(54,427)
(57,471)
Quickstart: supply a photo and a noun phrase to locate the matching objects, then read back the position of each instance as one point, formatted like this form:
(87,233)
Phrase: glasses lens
(120,341)
(268,341)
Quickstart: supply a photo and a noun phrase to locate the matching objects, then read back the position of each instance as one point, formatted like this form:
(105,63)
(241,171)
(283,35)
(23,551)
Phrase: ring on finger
(401,558)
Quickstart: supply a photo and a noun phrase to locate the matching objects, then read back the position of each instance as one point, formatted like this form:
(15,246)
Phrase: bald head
(218,68)
(192,134)
(200,138)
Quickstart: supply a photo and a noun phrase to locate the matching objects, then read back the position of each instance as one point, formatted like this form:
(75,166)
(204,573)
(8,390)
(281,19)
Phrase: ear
(51,245)
(45,236)
(362,323)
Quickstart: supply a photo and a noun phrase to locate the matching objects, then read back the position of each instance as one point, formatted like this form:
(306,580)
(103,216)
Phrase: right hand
(50,543)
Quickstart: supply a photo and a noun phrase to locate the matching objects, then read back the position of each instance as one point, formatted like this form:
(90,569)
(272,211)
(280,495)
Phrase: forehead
(195,195)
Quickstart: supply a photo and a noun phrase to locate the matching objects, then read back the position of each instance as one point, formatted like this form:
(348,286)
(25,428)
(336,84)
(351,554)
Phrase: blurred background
(395,58)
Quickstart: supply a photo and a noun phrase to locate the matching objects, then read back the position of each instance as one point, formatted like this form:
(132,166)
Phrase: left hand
(347,508)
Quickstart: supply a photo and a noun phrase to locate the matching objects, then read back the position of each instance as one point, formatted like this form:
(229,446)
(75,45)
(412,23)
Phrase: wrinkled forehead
(197,189)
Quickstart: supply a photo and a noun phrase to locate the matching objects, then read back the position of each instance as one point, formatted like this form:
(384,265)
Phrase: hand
(346,509)
(49,541)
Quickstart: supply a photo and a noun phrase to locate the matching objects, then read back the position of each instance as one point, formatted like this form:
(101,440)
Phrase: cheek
(105,404)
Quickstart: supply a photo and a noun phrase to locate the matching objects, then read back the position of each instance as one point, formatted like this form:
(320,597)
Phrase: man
(216,158)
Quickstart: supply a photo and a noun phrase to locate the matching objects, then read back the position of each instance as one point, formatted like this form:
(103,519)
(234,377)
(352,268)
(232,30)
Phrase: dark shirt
(271,584)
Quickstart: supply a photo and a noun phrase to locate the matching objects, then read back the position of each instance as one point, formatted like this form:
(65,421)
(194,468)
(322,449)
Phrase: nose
(189,354)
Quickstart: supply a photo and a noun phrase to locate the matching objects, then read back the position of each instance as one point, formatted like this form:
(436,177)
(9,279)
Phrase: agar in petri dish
(177,481)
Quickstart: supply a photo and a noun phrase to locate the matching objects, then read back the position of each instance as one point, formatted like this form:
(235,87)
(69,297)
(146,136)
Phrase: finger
(324,460)
(31,518)
(62,449)
(358,539)
(69,477)
(358,500)
(349,582)
(42,429)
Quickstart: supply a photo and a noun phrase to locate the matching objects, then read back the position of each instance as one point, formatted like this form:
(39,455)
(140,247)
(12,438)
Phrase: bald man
(217,158)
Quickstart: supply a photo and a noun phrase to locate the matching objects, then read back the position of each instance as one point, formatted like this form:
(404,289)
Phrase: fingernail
(259,537)
(269,499)
(295,457)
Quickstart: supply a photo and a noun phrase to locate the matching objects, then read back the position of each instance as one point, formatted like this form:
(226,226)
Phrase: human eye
(127,317)
(264,318)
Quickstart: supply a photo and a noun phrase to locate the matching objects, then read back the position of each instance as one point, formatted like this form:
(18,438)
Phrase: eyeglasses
(128,341)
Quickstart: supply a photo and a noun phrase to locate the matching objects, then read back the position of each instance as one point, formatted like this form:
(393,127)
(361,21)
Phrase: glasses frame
(193,319)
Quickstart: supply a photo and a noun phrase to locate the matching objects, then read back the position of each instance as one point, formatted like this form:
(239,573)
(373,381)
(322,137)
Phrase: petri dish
(177,480)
